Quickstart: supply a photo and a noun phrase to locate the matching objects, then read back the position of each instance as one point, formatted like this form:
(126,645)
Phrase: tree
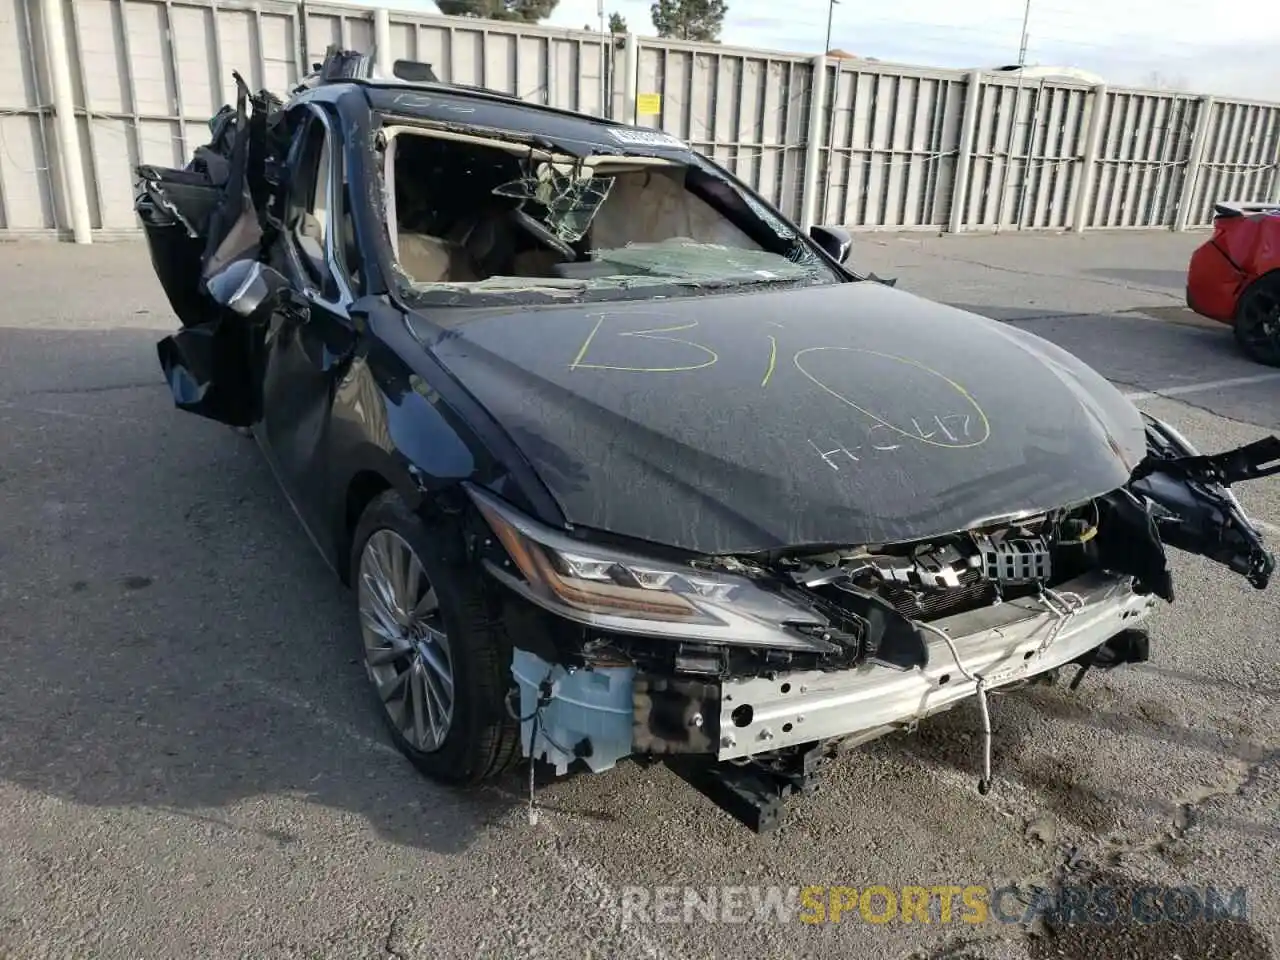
(528,11)
(617,23)
(689,19)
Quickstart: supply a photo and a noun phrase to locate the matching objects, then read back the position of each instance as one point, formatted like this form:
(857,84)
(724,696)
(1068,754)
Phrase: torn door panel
(208,213)
(197,220)
(174,207)
(199,364)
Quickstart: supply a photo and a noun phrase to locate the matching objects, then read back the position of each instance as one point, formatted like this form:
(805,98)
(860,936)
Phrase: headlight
(614,590)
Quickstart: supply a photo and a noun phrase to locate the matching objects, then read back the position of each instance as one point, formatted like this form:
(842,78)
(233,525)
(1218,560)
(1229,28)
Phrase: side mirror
(834,240)
(247,287)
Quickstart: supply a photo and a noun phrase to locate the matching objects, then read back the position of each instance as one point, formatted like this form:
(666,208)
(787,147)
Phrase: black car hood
(843,414)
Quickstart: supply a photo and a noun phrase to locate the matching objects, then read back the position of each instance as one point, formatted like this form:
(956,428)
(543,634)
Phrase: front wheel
(1257,326)
(437,658)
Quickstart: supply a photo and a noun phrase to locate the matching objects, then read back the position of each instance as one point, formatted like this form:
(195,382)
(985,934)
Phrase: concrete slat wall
(1240,157)
(562,68)
(888,144)
(29,173)
(745,109)
(146,75)
(1143,154)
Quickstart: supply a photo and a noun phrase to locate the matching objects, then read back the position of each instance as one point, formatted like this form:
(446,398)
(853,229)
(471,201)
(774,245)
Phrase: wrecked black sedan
(619,462)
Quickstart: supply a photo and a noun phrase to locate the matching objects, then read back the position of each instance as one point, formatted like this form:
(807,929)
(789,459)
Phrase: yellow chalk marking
(773,359)
(652,334)
(586,343)
(986,424)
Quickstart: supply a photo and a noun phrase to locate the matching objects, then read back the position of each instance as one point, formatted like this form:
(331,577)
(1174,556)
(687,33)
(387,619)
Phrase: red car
(1234,277)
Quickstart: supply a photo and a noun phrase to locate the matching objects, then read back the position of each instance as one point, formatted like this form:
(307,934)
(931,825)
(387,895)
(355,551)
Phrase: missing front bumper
(601,715)
(1011,641)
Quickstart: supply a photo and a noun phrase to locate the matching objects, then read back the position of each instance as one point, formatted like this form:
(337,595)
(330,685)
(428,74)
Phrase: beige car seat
(429,259)
(653,205)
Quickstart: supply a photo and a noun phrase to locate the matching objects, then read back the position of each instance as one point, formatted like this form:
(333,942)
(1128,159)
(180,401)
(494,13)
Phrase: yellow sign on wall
(648,104)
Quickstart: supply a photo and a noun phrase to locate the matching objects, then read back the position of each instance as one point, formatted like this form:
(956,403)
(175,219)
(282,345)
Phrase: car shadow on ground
(173,640)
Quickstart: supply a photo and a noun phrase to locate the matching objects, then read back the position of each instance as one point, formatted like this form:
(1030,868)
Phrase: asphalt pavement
(191,764)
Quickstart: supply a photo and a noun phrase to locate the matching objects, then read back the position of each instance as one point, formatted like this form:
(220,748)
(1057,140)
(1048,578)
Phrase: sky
(1177,44)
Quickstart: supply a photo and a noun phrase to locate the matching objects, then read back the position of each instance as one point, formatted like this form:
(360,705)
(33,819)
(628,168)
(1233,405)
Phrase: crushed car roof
(475,107)
(414,92)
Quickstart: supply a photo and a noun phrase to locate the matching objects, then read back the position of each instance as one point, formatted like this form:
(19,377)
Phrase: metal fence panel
(1241,159)
(29,199)
(1143,156)
(1052,165)
(1027,159)
(745,109)
(888,147)
(351,28)
(563,68)
(148,75)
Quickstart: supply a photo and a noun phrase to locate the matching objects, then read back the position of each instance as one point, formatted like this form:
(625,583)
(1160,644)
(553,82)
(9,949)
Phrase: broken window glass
(689,261)
(776,225)
(569,195)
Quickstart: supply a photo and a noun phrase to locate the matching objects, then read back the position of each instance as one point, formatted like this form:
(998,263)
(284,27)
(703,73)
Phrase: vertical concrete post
(606,102)
(964,157)
(1089,157)
(613,105)
(551,90)
(631,66)
(813,142)
(382,41)
(1193,163)
(72,162)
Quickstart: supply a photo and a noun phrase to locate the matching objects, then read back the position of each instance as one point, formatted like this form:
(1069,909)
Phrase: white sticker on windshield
(647,138)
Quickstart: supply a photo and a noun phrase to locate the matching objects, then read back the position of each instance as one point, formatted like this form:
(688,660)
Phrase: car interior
(463,209)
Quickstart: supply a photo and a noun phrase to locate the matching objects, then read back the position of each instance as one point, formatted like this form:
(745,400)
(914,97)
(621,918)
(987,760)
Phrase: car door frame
(310,337)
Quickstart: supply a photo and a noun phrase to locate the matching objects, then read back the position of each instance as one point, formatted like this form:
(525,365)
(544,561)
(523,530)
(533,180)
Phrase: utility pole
(606,63)
(831,9)
(1022,50)
(1017,95)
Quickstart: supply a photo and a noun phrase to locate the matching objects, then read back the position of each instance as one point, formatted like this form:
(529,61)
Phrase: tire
(481,739)
(1257,325)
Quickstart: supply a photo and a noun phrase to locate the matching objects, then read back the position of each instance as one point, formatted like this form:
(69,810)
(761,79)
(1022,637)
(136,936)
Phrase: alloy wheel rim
(406,648)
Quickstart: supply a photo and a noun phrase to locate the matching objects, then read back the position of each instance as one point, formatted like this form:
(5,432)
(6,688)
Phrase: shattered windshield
(706,264)
(569,196)
(468,216)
